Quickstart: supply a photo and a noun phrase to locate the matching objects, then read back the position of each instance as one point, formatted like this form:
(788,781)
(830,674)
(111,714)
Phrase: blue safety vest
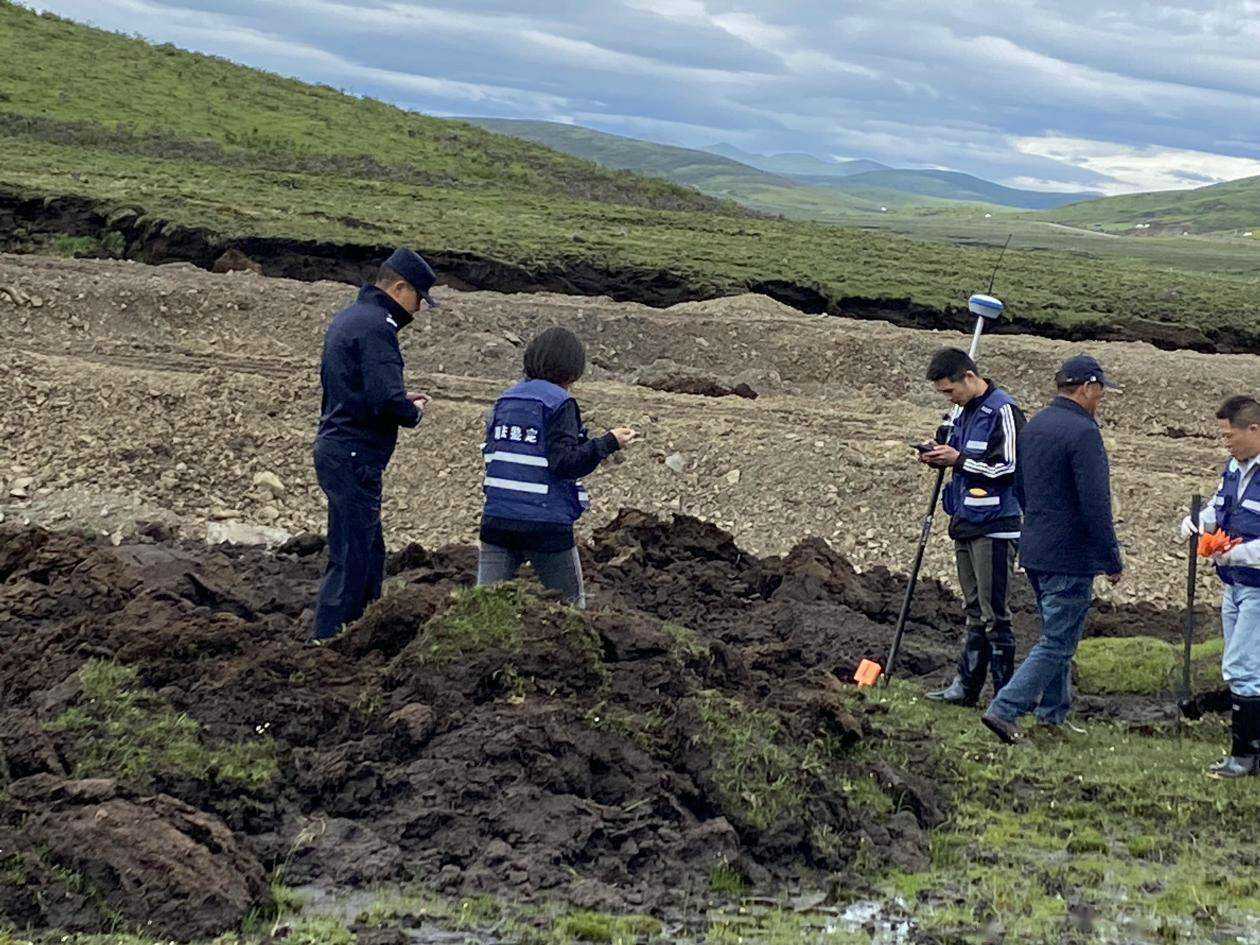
(968,495)
(519,485)
(1239,517)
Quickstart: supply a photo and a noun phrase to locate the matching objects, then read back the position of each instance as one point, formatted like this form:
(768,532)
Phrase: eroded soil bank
(28,224)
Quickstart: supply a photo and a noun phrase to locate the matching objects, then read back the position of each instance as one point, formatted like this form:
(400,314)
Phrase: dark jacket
(570,455)
(365,401)
(1066,483)
(986,436)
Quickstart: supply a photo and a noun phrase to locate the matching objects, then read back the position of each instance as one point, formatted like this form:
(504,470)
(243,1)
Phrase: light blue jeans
(1043,681)
(1240,619)
(557,571)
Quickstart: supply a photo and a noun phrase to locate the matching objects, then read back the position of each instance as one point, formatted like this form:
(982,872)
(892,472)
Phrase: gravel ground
(170,394)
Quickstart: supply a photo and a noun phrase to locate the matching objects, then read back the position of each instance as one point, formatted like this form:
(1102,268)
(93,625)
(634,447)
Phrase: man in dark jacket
(983,505)
(364,404)
(1068,539)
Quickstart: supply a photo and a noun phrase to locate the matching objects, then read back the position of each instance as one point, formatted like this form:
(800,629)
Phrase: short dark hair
(385,277)
(556,356)
(1241,411)
(951,363)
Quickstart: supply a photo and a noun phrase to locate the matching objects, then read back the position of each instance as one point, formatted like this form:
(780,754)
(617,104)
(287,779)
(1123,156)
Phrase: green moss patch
(1144,666)
(122,730)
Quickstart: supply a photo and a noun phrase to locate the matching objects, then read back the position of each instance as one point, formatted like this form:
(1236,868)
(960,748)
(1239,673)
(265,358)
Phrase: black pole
(924,535)
(1192,543)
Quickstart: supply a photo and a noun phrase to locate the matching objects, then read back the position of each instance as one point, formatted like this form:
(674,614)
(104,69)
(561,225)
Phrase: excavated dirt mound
(168,742)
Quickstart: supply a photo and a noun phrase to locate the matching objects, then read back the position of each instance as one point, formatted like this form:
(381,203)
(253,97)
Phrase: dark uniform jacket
(365,400)
(982,496)
(1066,480)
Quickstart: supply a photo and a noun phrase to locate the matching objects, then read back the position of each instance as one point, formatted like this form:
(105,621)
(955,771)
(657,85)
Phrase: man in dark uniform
(365,402)
(984,508)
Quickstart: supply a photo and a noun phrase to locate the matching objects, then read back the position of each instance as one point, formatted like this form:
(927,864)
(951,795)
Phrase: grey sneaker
(955,694)
(1235,766)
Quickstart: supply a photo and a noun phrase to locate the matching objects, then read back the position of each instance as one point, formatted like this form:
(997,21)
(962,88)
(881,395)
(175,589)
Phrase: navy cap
(1083,369)
(418,273)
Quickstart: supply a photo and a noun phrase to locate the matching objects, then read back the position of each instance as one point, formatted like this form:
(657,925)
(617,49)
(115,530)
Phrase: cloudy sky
(1046,94)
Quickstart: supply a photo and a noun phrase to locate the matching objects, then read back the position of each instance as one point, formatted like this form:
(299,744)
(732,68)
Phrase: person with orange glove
(1230,526)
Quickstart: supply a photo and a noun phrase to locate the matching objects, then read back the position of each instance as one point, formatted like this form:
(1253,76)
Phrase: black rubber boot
(1244,752)
(973,665)
(1001,666)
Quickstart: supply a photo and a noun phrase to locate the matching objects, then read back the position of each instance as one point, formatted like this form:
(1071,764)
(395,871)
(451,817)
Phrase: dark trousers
(986,567)
(356,544)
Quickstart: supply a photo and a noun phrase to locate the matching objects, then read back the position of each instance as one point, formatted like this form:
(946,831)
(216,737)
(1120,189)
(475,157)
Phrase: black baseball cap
(418,273)
(1083,369)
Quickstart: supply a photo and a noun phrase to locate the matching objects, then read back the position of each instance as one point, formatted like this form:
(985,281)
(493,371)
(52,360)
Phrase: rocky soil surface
(172,395)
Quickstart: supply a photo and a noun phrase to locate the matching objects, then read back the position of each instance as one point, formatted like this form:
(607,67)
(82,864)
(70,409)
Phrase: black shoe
(1008,732)
(955,694)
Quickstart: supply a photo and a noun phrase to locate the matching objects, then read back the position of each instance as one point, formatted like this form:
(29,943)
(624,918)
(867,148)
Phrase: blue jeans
(557,571)
(1043,681)
(356,543)
(1240,619)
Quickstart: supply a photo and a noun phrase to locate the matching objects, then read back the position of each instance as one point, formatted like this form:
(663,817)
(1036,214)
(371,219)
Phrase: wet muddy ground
(170,748)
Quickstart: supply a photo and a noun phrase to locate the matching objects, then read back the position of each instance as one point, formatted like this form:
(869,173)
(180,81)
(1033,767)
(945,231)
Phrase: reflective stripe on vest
(518,483)
(970,496)
(1239,517)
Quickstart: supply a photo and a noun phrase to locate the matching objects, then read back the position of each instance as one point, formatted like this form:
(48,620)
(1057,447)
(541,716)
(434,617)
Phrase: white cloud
(1140,168)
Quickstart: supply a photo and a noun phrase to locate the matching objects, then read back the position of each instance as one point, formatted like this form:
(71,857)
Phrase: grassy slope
(709,173)
(1234,205)
(207,143)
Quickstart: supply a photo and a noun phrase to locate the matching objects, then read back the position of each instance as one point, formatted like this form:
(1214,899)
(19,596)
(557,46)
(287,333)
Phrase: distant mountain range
(793,164)
(947,185)
(797,185)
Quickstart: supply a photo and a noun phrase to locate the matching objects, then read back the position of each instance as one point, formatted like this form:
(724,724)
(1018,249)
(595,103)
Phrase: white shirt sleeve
(1246,555)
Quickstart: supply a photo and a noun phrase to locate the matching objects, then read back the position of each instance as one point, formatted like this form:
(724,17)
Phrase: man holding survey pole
(983,505)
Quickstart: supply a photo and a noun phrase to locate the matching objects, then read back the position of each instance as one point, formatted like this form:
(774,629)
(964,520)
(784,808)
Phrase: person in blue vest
(1236,510)
(983,505)
(536,451)
(365,402)
(1068,539)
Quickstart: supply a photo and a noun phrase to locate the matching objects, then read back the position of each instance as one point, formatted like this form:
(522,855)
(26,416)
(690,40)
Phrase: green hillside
(709,173)
(682,165)
(1217,208)
(946,185)
(194,141)
(62,84)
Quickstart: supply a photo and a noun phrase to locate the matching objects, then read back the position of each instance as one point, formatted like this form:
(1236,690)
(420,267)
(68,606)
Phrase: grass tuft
(1144,666)
(125,731)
